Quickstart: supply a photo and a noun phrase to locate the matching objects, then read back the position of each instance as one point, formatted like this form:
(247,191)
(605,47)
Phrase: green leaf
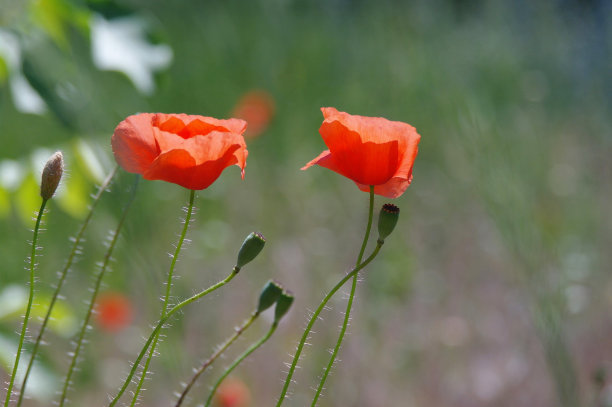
(13,302)
(27,199)
(55,17)
(87,157)
(5,203)
(73,195)
(3,70)
(42,383)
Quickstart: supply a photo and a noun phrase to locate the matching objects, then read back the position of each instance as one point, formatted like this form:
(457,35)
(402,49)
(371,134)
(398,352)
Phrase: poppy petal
(393,188)
(179,167)
(370,162)
(375,129)
(197,162)
(133,143)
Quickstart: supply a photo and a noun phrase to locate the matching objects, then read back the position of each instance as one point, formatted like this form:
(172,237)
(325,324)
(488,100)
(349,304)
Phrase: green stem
(94,295)
(159,325)
(62,278)
(239,360)
(368,228)
(26,318)
(215,355)
(145,368)
(349,305)
(315,316)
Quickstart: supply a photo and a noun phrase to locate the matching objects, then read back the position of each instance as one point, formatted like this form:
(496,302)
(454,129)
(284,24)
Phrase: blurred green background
(494,290)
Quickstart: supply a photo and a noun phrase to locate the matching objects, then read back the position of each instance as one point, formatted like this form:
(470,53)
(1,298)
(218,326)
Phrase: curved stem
(368,228)
(349,305)
(94,295)
(238,360)
(145,368)
(62,278)
(215,355)
(159,325)
(26,317)
(315,316)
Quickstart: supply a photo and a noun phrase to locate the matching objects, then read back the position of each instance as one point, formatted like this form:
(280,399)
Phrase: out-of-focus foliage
(494,290)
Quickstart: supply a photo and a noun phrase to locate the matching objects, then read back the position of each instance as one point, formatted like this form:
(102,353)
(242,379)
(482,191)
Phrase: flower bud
(269,295)
(282,305)
(387,220)
(252,245)
(51,175)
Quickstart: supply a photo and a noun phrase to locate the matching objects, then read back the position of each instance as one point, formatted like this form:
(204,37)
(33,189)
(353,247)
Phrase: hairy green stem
(145,368)
(26,318)
(215,355)
(315,316)
(349,305)
(96,289)
(239,360)
(159,326)
(62,278)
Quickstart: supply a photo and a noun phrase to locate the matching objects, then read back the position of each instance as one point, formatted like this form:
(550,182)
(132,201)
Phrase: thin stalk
(26,318)
(315,316)
(62,278)
(239,360)
(94,295)
(145,369)
(161,323)
(349,305)
(215,355)
(368,228)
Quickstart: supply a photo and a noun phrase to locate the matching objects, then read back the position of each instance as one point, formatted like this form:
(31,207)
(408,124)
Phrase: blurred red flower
(187,150)
(369,150)
(114,311)
(257,108)
(233,393)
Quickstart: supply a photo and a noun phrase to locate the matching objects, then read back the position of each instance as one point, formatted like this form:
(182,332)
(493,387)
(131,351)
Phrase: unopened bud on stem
(51,175)
(282,305)
(269,295)
(251,247)
(387,220)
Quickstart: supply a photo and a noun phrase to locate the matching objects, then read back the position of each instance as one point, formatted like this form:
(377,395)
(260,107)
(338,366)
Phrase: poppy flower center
(194,128)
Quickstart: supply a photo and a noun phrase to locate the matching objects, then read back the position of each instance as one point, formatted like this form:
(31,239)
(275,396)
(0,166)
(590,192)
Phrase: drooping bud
(51,175)
(251,247)
(282,305)
(387,219)
(269,295)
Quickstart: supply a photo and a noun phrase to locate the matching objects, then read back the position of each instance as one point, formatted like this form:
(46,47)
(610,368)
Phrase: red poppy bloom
(187,150)
(368,150)
(114,311)
(233,393)
(257,108)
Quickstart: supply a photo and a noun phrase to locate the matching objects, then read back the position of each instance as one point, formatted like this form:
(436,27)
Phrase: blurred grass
(494,289)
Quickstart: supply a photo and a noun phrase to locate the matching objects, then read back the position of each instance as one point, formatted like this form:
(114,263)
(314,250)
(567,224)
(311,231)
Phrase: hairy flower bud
(282,305)
(269,295)
(51,175)
(251,247)
(387,220)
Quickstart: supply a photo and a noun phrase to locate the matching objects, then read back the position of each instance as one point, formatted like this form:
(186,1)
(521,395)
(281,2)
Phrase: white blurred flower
(120,45)
(25,98)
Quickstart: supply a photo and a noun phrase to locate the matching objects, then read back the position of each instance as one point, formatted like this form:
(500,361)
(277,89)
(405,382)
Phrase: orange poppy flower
(114,311)
(257,108)
(187,150)
(368,150)
(233,393)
